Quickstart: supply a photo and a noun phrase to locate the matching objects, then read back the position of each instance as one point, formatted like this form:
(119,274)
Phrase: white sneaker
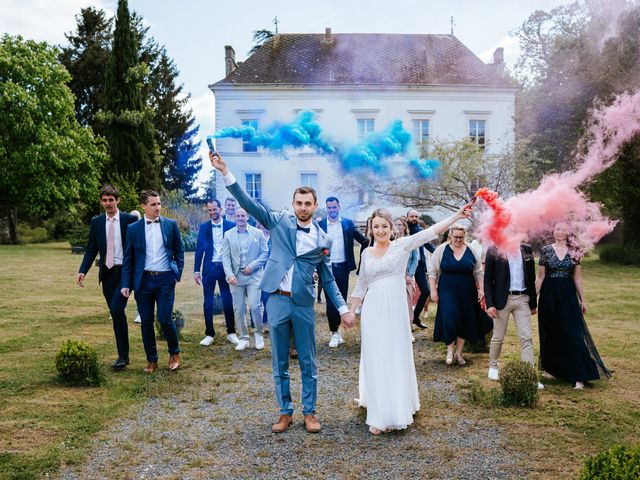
(242,344)
(579,386)
(494,373)
(413,339)
(540,386)
(138,319)
(336,339)
(233,338)
(259,342)
(206,341)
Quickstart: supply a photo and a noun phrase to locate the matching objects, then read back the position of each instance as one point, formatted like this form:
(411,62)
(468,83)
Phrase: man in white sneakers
(244,253)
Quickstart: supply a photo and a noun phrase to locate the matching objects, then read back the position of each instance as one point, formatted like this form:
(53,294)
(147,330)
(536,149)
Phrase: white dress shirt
(118,254)
(156,258)
(334,230)
(217,234)
(516,272)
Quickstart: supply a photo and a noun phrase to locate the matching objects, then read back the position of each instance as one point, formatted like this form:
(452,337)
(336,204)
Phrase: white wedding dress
(387,384)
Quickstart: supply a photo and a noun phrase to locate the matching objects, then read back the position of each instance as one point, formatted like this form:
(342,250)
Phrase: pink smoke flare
(557,199)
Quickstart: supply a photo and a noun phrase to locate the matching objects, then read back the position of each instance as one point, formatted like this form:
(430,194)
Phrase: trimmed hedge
(519,383)
(77,364)
(616,463)
(620,254)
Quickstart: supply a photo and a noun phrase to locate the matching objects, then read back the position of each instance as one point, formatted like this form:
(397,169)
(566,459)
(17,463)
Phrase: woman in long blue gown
(457,286)
(567,350)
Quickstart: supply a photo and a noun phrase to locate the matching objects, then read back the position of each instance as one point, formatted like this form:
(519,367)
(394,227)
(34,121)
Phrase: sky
(195,32)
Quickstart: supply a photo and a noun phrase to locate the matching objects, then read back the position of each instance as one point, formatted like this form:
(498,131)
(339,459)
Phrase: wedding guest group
(343,233)
(208,271)
(244,253)
(152,265)
(107,236)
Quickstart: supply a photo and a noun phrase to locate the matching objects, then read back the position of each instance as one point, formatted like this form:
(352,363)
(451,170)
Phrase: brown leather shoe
(284,422)
(151,367)
(293,353)
(174,362)
(311,423)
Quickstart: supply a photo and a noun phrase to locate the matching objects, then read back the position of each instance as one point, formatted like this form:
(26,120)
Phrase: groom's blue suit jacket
(283,228)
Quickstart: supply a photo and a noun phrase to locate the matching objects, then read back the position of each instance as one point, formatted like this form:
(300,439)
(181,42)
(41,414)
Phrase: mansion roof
(365,59)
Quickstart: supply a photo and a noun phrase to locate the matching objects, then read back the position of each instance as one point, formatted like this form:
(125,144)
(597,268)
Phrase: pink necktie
(111,244)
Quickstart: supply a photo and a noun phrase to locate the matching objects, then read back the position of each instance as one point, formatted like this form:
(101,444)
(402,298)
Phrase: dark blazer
(497,277)
(204,248)
(349,234)
(98,241)
(413,230)
(135,251)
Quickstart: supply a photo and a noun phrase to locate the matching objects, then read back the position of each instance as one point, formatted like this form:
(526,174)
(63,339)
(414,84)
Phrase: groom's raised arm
(264,216)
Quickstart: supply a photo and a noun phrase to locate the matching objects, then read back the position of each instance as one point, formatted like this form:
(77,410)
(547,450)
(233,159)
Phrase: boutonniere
(325,251)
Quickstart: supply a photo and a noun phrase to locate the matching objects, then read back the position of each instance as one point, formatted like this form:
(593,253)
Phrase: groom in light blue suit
(298,247)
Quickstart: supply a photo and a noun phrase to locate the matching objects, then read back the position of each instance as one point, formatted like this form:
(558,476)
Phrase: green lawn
(44,425)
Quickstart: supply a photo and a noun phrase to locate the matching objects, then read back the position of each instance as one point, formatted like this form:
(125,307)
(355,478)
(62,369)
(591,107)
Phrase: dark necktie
(304,229)
(149,222)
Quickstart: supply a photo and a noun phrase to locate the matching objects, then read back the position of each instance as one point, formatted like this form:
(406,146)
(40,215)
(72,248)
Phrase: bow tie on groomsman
(214,225)
(304,229)
(149,222)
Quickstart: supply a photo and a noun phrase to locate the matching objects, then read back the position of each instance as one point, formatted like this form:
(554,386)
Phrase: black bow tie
(304,229)
(216,226)
(149,222)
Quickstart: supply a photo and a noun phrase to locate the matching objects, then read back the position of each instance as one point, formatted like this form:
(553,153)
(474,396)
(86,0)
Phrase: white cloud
(511,47)
(45,20)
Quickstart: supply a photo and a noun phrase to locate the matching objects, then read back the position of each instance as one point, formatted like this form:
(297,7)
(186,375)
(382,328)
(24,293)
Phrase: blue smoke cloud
(369,154)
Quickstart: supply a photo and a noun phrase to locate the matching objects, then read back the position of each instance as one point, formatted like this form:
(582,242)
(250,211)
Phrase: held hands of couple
(348,319)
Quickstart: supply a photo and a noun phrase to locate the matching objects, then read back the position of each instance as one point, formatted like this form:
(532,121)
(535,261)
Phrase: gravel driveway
(219,427)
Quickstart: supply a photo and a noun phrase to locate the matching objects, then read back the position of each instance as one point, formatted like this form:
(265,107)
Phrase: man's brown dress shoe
(174,362)
(311,423)
(284,422)
(151,367)
(293,353)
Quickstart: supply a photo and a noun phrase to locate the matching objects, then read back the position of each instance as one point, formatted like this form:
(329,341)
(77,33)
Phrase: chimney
(498,59)
(328,38)
(229,59)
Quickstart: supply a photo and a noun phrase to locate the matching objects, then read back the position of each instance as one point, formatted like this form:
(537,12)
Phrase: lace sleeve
(543,262)
(361,285)
(417,240)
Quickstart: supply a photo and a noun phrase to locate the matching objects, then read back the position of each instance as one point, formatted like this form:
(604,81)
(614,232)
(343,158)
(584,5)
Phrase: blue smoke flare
(369,154)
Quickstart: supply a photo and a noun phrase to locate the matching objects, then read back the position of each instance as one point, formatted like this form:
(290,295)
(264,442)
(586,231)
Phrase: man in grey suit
(244,253)
(298,248)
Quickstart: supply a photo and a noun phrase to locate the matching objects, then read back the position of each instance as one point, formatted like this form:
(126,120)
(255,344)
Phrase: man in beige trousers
(509,288)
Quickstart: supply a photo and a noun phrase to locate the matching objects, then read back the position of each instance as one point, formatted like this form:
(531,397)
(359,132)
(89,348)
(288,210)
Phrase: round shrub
(617,463)
(519,383)
(77,364)
(178,319)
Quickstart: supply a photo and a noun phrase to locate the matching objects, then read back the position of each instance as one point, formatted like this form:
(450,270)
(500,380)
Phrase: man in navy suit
(342,232)
(107,236)
(210,247)
(153,263)
(421,270)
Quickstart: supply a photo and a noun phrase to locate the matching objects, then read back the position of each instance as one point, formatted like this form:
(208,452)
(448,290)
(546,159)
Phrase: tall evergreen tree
(182,173)
(86,58)
(128,126)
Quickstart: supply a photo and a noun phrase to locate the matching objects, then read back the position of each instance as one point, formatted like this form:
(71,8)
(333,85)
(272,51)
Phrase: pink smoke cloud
(557,199)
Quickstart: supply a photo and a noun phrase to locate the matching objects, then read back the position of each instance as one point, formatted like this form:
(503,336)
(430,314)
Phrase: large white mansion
(356,84)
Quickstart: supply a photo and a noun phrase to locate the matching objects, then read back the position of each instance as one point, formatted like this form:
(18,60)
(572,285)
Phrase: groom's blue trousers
(284,316)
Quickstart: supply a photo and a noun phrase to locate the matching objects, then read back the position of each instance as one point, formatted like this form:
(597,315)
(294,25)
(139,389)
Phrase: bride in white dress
(387,382)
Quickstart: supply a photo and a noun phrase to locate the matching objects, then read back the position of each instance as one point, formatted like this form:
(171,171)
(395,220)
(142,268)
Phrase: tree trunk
(8,225)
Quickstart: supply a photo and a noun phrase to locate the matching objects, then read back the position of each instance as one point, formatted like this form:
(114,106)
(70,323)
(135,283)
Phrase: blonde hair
(405,224)
(382,213)
(457,226)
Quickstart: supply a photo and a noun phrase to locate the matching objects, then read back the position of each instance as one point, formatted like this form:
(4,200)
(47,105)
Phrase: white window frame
(478,116)
(303,184)
(251,190)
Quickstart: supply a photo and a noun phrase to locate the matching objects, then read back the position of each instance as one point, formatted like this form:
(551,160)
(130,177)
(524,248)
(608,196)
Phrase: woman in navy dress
(456,280)
(567,350)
